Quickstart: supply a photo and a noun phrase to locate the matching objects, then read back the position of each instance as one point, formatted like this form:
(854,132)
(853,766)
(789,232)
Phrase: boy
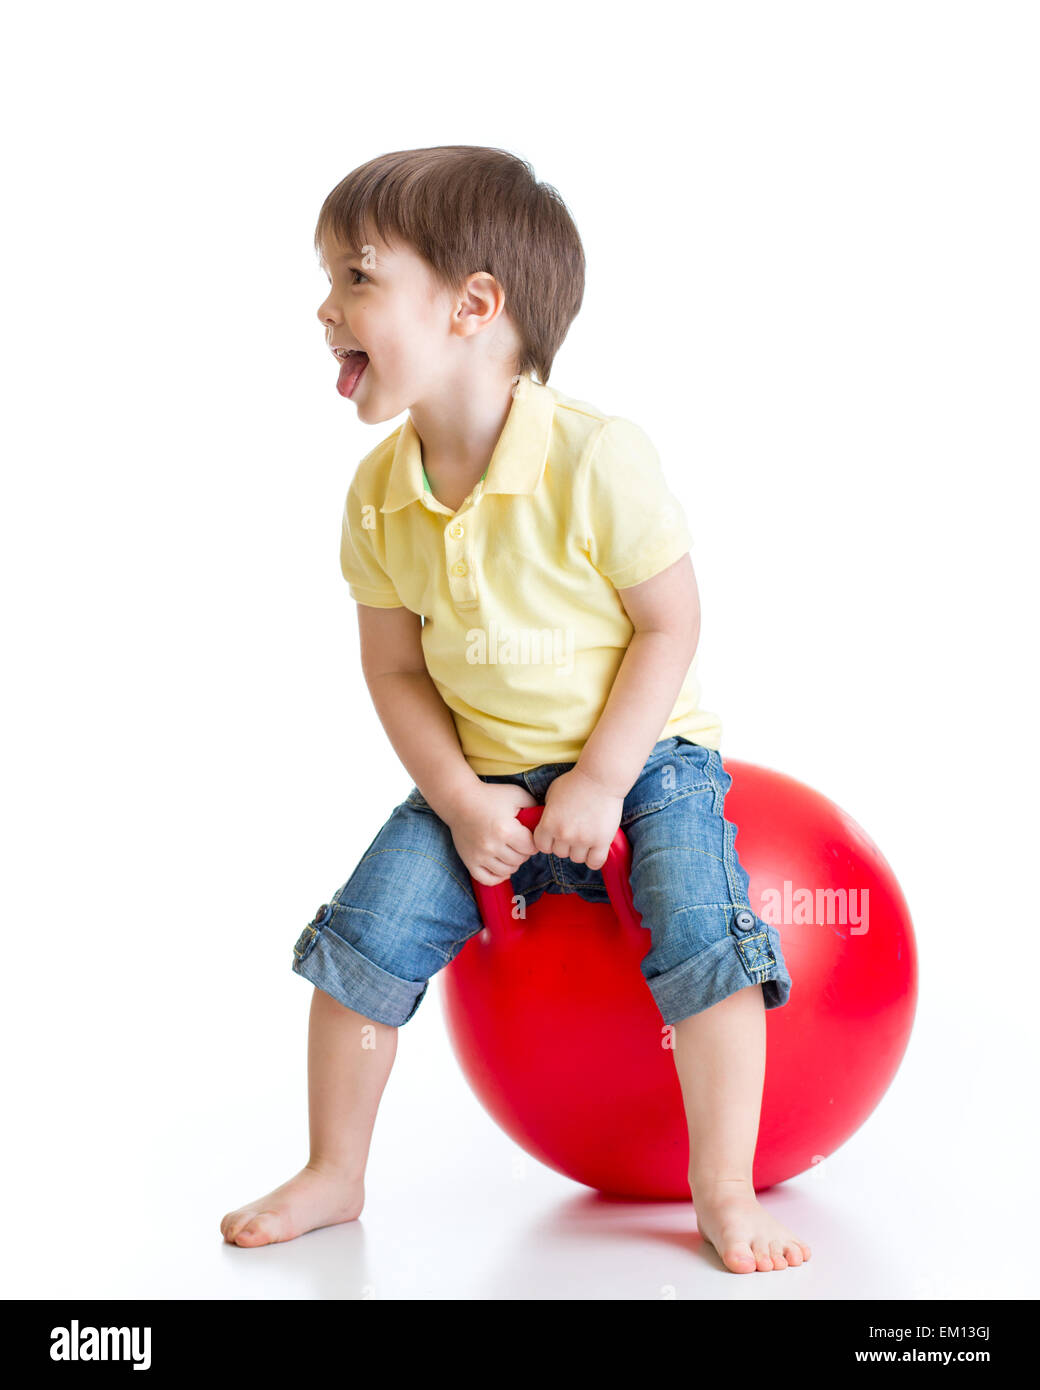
(528,617)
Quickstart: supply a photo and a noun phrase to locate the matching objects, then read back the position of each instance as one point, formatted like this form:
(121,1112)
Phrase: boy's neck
(459,431)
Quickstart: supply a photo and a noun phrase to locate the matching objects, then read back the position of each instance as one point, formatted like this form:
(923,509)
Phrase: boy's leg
(720,1055)
(405,911)
(714,966)
(349,1058)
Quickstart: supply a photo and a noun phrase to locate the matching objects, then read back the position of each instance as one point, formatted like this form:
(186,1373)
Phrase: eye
(352,271)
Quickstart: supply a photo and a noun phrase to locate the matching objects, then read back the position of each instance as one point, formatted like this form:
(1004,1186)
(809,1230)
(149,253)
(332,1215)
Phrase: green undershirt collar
(426,481)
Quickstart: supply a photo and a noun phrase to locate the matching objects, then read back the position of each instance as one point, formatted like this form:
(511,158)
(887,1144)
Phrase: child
(528,617)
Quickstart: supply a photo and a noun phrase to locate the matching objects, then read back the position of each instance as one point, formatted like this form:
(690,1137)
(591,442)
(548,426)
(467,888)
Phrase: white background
(811,235)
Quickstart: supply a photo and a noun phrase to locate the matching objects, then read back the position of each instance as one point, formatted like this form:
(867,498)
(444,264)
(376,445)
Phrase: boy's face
(388,304)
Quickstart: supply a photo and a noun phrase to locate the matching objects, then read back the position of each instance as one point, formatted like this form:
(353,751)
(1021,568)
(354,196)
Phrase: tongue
(350,372)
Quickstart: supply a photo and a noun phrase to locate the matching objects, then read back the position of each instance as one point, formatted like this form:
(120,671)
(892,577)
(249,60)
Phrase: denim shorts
(409,907)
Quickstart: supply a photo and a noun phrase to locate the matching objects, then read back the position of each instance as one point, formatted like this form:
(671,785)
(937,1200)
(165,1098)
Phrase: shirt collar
(516,464)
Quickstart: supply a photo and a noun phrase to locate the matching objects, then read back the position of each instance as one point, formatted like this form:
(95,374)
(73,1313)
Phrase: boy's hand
(490,840)
(580,820)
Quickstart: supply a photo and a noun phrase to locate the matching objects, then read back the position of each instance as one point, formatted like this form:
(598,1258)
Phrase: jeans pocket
(695,751)
(679,769)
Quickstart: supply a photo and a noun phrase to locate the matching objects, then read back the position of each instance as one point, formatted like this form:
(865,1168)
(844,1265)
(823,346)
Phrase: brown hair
(467,208)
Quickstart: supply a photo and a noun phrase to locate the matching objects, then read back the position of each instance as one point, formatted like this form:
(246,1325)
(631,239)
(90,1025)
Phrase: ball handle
(495,901)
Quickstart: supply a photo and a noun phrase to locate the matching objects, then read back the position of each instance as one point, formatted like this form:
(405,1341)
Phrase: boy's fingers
(522,842)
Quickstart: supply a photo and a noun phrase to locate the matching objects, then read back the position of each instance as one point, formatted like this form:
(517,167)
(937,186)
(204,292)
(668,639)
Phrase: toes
(793,1253)
(776,1249)
(231,1224)
(739,1258)
(249,1233)
(253,1228)
(762,1256)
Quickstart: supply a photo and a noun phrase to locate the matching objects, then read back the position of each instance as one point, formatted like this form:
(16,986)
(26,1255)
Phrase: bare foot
(310,1199)
(746,1237)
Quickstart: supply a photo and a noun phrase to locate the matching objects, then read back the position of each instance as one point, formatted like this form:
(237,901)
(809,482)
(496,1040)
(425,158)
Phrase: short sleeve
(634,526)
(361,544)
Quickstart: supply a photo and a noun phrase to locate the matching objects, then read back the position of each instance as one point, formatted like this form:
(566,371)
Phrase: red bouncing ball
(560,1039)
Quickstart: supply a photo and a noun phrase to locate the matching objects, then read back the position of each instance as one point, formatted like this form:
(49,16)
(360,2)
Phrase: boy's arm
(634,531)
(666,614)
(416,719)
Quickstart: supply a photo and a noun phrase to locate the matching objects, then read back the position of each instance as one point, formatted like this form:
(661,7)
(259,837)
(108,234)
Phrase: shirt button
(456,531)
(744,920)
(459,568)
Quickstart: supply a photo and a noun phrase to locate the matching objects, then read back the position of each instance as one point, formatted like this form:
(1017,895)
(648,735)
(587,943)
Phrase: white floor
(122,1186)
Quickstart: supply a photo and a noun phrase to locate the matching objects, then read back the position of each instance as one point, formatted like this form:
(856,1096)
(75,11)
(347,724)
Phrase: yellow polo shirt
(523,629)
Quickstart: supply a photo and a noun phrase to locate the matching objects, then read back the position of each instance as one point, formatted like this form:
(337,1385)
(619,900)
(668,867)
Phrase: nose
(327,311)
(326,314)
